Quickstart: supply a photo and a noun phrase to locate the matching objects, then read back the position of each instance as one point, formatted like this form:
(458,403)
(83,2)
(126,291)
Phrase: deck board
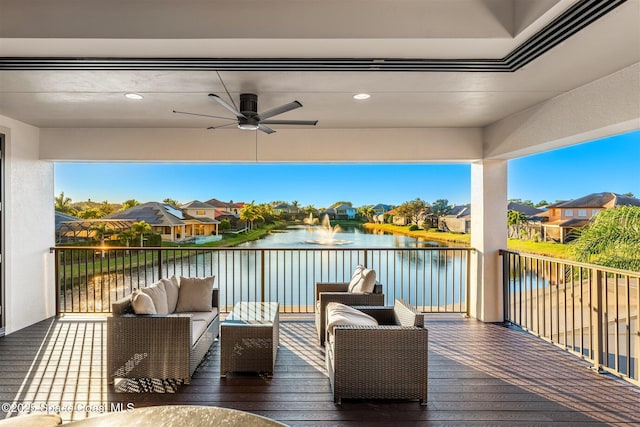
(479,374)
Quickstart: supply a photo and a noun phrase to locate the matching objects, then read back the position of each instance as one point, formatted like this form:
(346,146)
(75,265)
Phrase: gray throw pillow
(195,294)
(172,288)
(159,297)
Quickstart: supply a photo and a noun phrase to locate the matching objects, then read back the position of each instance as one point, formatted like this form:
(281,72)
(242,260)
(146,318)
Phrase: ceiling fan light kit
(247,116)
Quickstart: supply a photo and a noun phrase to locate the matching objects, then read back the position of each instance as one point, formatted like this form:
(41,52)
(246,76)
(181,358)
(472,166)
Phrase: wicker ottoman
(249,338)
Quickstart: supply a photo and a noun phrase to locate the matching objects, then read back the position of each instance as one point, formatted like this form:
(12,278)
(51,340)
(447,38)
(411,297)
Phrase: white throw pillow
(195,294)
(159,297)
(363,280)
(172,288)
(341,314)
(142,303)
(356,276)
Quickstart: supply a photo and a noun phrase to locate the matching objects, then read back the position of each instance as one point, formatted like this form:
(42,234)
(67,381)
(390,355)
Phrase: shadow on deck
(479,374)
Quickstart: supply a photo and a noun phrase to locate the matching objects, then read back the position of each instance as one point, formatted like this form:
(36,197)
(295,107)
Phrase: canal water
(285,265)
(316,236)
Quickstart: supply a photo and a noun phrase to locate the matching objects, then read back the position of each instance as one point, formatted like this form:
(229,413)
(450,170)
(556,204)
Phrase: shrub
(413,227)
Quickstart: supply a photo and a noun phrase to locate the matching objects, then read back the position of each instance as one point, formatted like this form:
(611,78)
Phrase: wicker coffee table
(249,338)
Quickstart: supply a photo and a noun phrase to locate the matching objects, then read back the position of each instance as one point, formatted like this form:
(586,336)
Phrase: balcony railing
(589,310)
(89,279)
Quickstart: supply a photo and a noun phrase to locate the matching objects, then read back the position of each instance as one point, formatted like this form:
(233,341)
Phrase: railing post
(636,335)
(262,280)
(56,279)
(597,313)
(505,259)
(159,264)
(468,313)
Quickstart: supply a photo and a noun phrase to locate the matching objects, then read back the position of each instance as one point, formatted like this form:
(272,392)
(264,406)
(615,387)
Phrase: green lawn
(438,236)
(554,250)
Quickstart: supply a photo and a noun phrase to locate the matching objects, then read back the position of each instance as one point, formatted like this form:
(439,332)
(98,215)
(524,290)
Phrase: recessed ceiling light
(133,96)
(361,96)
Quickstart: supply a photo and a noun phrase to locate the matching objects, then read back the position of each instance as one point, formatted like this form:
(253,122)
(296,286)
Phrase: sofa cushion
(159,297)
(197,329)
(341,314)
(363,280)
(195,294)
(205,316)
(142,303)
(171,287)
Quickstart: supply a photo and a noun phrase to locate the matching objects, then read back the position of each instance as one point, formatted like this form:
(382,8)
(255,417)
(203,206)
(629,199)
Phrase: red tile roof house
(567,216)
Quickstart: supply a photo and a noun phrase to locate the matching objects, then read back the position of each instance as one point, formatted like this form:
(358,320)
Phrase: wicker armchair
(338,292)
(388,361)
(157,345)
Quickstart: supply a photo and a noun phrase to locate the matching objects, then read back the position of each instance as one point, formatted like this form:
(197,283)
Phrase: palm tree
(126,236)
(62,203)
(172,202)
(249,213)
(140,227)
(99,232)
(516,220)
(367,212)
(128,204)
(611,239)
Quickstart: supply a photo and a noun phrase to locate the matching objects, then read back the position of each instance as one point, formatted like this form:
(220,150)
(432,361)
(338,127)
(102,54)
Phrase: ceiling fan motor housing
(249,104)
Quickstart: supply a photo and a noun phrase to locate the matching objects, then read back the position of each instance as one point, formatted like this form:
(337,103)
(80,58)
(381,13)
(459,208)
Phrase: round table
(178,416)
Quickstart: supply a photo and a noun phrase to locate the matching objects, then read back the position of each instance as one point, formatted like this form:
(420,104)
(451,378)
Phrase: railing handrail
(237,248)
(573,263)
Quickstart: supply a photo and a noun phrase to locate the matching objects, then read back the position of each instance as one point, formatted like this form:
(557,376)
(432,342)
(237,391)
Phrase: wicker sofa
(339,292)
(387,361)
(164,346)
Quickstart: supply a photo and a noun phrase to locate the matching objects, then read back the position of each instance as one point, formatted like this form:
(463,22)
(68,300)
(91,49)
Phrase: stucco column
(488,236)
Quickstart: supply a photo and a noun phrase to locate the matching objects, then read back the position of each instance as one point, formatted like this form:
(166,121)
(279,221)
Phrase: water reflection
(305,236)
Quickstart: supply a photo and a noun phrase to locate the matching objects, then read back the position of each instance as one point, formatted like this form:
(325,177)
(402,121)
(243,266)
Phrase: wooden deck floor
(479,374)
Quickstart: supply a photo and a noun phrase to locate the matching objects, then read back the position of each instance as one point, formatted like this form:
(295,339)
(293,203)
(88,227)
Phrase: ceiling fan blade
(290,122)
(221,126)
(226,105)
(279,110)
(203,115)
(265,129)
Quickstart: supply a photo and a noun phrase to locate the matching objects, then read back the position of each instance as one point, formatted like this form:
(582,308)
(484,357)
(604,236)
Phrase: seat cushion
(204,316)
(363,280)
(195,294)
(341,314)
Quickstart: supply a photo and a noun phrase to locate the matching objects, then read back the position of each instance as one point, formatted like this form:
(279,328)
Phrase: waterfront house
(196,208)
(224,208)
(345,211)
(562,218)
(286,208)
(379,212)
(173,224)
(458,220)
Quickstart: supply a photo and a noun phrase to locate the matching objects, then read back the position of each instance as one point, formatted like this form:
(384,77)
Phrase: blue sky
(609,164)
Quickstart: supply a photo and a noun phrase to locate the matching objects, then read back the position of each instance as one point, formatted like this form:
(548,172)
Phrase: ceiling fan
(248,118)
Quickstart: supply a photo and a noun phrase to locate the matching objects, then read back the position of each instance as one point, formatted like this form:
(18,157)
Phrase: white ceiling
(443,29)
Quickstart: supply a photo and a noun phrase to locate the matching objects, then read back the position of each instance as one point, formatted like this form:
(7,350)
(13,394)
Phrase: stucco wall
(29,228)
(287,145)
